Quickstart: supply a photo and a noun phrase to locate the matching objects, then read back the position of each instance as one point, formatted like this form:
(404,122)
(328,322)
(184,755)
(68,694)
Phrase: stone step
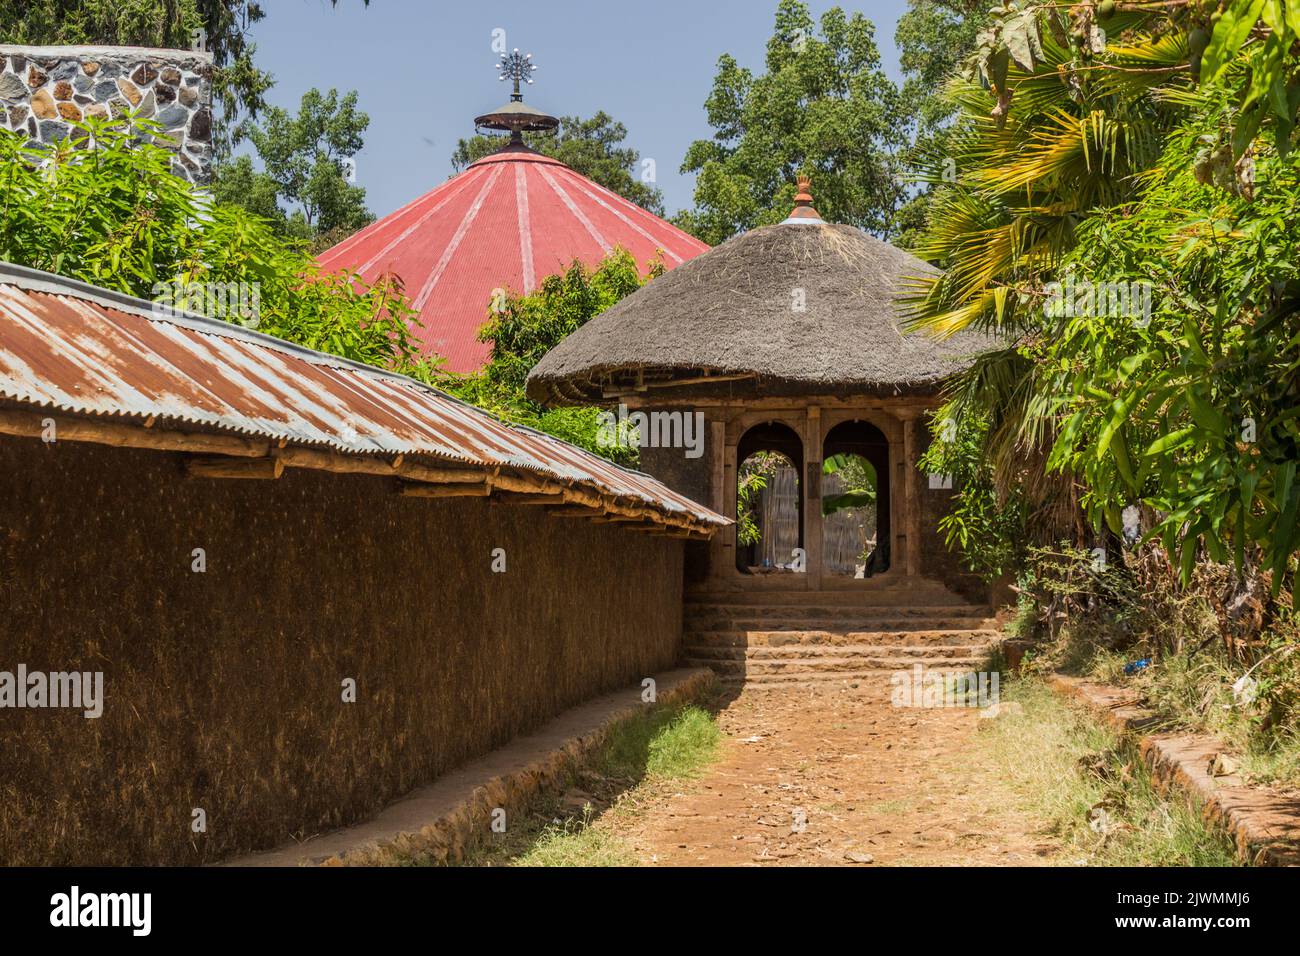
(821,602)
(822,638)
(865,593)
(834,626)
(827,665)
(848,652)
(868,678)
(785,612)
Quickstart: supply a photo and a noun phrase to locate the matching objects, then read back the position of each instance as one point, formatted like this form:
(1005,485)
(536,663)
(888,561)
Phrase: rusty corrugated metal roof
(78,348)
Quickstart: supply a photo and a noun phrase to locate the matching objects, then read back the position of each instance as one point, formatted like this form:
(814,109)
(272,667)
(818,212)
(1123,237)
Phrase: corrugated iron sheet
(73,347)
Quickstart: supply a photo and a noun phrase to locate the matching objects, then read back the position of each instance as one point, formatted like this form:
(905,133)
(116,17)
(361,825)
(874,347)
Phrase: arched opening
(855,500)
(769,500)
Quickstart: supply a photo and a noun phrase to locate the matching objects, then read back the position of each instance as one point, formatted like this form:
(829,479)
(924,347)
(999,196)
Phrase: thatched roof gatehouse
(788,341)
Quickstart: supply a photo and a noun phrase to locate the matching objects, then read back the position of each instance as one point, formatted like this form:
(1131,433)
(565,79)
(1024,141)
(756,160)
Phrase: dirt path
(838,776)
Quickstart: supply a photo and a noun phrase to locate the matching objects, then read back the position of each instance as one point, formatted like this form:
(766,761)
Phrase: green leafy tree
(239,183)
(308,161)
(934,38)
(1125,220)
(103,207)
(522,329)
(824,108)
(592,147)
(1053,124)
(1192,408)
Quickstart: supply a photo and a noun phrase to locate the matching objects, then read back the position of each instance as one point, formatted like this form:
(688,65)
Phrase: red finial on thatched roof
(803,203)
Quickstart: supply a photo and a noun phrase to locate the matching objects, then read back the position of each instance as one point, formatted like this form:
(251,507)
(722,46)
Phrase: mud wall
(223,689)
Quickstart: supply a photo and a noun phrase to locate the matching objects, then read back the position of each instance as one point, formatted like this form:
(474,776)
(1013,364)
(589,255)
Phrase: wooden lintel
(479,489)
(230,467)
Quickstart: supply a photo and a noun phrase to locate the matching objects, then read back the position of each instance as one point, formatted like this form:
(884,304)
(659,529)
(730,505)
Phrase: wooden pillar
(812,496)
(911,493)
(720,558)
(727,566)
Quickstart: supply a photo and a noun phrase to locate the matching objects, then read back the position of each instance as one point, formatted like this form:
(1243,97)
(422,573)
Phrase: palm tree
(1056,124)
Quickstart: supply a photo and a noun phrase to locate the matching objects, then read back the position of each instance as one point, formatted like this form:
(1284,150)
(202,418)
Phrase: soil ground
(836,776)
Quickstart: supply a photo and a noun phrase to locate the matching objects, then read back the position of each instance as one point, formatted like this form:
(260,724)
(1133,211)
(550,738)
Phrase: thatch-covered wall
(223,689)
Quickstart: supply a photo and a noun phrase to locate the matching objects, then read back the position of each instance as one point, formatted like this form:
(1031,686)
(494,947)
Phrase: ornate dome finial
(518,67)
(515,117)
(803,211)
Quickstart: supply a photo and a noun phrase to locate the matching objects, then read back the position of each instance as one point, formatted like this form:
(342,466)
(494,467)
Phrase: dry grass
(1091,791)
(1183,651)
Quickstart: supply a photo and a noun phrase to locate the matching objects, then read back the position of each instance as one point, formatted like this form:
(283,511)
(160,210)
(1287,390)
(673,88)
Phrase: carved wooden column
(812,495)
(911,491)
(730,473)
(717,452)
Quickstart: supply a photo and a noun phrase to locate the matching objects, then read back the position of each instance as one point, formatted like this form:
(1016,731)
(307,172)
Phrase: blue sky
(423,70)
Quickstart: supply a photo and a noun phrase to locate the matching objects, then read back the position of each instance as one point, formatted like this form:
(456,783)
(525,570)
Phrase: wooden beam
(639,390)
(24,424)
(527,485)
(518,498)
(461,490)
(575,511)
(451,474)
(319,460)
(228,467)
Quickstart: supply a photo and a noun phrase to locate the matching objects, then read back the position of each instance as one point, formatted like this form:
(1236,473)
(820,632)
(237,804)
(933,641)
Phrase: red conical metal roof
(507,221)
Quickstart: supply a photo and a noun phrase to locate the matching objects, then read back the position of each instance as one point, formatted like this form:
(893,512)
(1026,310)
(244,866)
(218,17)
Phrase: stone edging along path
(1264,826)
(439,822)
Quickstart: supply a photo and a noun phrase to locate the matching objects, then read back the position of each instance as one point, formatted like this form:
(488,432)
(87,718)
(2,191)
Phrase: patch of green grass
(1090,789)
(656,748)
(661,744)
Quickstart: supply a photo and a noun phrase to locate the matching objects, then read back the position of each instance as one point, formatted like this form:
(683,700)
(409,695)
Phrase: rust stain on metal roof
(69,346)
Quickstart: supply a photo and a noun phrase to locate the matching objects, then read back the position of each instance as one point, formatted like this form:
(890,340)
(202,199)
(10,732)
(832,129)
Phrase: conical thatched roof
(733,313)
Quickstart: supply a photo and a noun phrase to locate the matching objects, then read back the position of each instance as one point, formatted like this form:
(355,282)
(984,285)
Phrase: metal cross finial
(518,67)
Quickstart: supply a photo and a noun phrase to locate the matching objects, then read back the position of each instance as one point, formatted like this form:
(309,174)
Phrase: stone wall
(44,89)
